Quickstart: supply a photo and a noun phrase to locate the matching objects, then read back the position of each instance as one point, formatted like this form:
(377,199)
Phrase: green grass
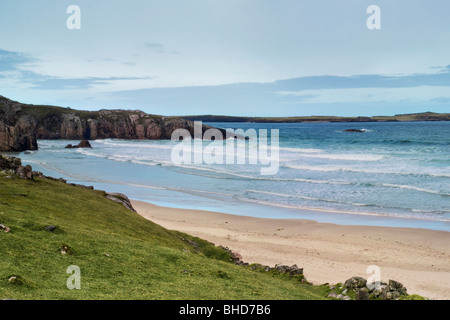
(42,112)
(120,254)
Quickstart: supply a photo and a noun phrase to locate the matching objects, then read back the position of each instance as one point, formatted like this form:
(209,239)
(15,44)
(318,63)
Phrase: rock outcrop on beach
(361,290)
(21,125)
(13,166)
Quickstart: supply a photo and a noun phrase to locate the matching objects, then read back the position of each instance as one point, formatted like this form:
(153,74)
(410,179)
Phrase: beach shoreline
(329,253)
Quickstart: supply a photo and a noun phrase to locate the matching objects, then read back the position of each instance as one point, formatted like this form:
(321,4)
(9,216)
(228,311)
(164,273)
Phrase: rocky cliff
(16,127)
(21,125)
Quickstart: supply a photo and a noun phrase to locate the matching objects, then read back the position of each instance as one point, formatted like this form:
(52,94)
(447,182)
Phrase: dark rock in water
(354,130)
(82,144)
(120,198)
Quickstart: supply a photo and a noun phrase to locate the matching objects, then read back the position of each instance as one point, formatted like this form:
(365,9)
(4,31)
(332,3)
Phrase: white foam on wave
(408,187)
(187,191)
(326,168)
(153,162)
(313,168)
(38,162)
(360,213)
(300,150)
(308,198)
(135,144)
(347,157)
(119,157)
(257,177)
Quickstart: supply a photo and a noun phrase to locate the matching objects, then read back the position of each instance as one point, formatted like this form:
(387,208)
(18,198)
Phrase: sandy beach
(329,253)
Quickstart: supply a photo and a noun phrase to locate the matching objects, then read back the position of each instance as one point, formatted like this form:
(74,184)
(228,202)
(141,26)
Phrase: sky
(228,57)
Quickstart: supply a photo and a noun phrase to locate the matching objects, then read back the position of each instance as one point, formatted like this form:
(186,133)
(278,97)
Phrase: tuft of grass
(412,297)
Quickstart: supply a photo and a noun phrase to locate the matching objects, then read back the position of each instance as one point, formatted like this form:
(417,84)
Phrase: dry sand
(329,253)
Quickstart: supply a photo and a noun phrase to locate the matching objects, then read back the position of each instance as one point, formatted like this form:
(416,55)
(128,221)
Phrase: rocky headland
(423,116)
(21,125)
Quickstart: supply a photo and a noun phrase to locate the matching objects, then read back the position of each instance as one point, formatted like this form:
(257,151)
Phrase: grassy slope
(121,255)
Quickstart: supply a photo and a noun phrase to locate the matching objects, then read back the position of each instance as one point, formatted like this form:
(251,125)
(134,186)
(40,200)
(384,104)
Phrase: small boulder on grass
(65,249)
(4,228)
(16,280)
(50,228)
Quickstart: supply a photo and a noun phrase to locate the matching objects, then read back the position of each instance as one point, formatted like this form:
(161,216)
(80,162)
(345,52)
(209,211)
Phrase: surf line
(227,147)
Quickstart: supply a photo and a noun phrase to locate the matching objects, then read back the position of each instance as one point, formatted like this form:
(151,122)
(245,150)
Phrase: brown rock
(10,163)
(25,172)
(362,294)
(17,130)
(82,144)
(355,283)
(121,198)
(354,130)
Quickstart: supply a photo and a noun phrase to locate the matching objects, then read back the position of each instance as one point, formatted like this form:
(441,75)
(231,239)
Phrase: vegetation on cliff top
(425,116)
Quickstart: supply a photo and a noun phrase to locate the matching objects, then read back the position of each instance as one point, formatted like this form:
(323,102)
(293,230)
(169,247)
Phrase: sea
(393,174)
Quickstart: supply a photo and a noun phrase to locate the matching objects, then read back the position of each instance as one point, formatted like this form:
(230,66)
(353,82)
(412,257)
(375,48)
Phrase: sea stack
(82,144)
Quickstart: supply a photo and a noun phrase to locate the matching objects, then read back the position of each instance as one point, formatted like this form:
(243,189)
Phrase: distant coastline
(424,116)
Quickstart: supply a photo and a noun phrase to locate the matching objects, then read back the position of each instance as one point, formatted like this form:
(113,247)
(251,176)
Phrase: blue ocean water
(391,174)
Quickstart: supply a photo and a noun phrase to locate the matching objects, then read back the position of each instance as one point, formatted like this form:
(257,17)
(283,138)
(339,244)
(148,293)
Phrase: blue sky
(228,57)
